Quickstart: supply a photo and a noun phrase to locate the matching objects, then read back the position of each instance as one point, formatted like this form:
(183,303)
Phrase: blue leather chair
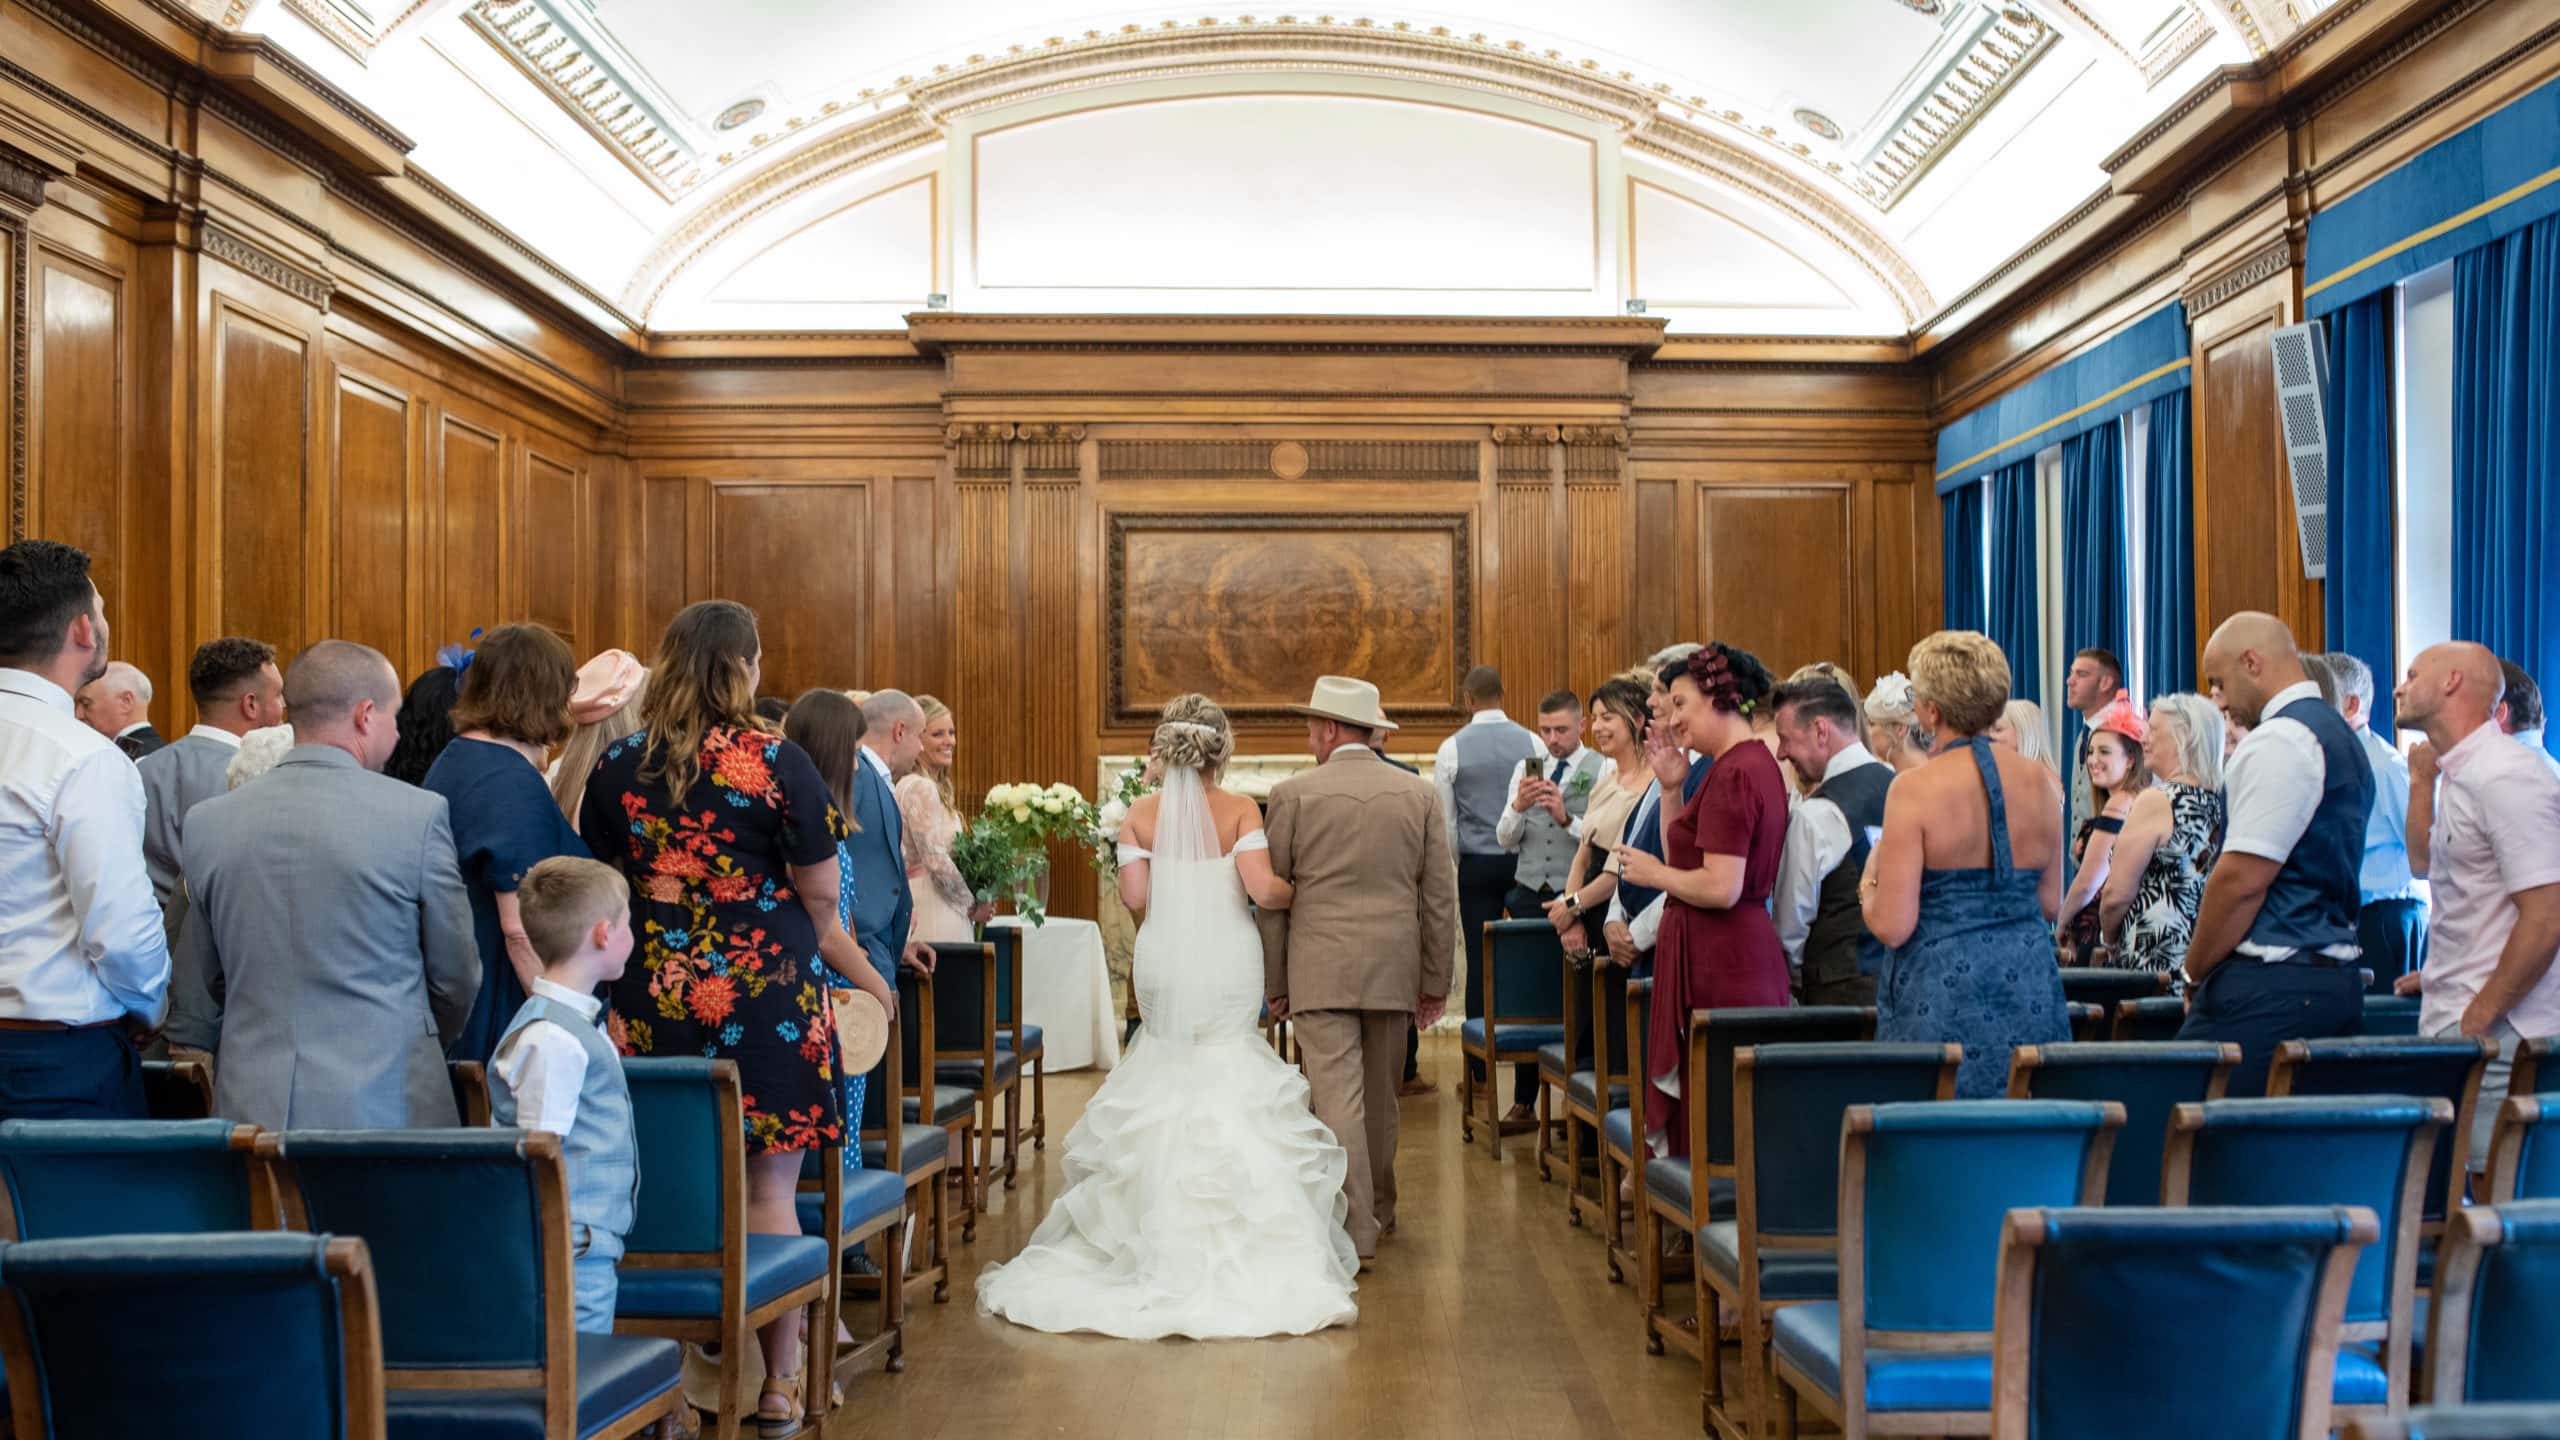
(2147,1079)
(2367,1150)
(1671,1186)
(969,1052)
(2389,1015)
(691,1271)
(1601,1084)
(2250,1296)
(1923,1192)
(1782,1248)
(177,1090)
(469,1236)
(2107,987)
(2524,1155)
(1028,1043)
(2533,1073)
(2496,1316)
(1619,1149)
(2447,1069)
(216,1337)
(954,1106)
(470,1092)
(918,1153)
(2156,1017)
(2465,1422)
(1524,1009)
(65,1179)
(1561,1062)
(850,1210)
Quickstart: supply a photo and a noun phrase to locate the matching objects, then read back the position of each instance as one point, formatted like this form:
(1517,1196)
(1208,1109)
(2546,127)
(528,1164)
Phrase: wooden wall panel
(1596,626)
(668,551)
(2249,550)
(1051,576)
(911,589)
(799,555)
(1525,628)
(1655,581)
(1777,575)
(471,491)
(375,500)
(261,420)
(552,553)
(77,441)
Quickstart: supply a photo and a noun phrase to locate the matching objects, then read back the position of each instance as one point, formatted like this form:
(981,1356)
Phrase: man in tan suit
(1367,943)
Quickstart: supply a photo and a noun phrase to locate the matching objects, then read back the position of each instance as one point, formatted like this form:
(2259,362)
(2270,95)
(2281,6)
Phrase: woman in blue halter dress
(1971,947)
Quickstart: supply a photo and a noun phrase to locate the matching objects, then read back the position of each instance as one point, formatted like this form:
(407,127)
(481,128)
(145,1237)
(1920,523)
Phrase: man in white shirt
(2492,856)
(2392,925)
(118,705)
(1473,775)
(1820,924)
(84,965)
(1542,823)
(2520,714)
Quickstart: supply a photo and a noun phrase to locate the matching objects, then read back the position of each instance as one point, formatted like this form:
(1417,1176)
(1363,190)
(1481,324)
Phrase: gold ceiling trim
(1689,133)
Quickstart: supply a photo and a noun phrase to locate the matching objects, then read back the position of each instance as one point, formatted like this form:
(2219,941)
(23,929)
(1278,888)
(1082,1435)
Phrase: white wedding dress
(1204,1198)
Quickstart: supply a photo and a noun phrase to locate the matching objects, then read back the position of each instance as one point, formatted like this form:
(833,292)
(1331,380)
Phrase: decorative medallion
(738,114)
(1289,460)
(1820,124)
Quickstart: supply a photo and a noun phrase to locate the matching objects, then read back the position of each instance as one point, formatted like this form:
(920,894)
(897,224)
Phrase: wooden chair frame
(359,1345)
(2471,1236)
(891,1229)
(927,1183)
(993,1094)
(2026,1060)
(2516,1119)
(265,1207)
(1614,1167)
(2293,1055)
(557,1376)
(197,1076)
(1759,1373)
(2177,1182)
(1653,1270)
(1494,1057)
(1579,1205)
(1029,1062)
(2022,1237)
(1850,1413)
(963,1176)
(471,1092)
(2524,1075)
(735,1327)
(1555,1096)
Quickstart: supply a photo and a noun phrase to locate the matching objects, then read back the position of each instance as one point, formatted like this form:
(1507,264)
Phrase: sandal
(777,1421)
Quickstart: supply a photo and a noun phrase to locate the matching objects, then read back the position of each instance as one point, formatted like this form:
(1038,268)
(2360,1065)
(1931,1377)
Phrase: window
(2423,538)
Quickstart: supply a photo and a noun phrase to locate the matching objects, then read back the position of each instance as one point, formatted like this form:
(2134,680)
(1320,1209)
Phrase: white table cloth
(1066,991)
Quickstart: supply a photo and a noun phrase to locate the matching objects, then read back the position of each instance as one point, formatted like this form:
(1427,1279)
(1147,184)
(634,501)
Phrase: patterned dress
(853,1083)
(726,965)
(2163,918)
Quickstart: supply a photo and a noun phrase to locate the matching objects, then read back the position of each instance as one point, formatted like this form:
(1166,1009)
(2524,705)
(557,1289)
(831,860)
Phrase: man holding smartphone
(1834,959)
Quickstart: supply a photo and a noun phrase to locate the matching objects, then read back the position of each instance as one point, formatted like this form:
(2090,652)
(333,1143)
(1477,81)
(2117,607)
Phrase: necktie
(1556,776)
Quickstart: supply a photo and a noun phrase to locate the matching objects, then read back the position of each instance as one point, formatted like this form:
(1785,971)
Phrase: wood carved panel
(372,500)
(470,475)
(1779,578)
(1251,608)
(551,556)
(2248,556)
(798,555)
(77,443)
(666,555)
(262,448)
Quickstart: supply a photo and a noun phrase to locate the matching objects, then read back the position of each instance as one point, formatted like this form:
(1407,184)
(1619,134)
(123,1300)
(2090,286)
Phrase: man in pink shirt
(2484,830)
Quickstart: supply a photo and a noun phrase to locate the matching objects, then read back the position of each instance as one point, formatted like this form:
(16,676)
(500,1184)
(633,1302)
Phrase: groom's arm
(1279,824)
(1438,910)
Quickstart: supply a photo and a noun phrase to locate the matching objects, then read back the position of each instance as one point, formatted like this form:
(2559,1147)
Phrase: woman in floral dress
(728,837)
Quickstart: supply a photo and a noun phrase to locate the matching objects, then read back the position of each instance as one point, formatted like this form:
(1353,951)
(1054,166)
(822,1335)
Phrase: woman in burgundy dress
(1717,947)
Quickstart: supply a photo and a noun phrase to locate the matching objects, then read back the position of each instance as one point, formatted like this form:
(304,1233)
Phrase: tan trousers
(1354,1059)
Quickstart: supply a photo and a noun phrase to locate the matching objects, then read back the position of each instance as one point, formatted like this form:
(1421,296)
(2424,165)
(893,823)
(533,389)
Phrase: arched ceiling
(1847,162)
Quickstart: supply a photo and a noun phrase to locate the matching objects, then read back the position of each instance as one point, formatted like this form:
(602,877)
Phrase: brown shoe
(1416,1086)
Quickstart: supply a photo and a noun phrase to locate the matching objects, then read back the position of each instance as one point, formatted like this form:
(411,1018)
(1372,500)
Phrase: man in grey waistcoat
(1473,772)
(237,689)
(326,914)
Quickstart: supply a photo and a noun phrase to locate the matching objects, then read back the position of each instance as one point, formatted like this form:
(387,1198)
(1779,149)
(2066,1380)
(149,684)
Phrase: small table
(1066,991)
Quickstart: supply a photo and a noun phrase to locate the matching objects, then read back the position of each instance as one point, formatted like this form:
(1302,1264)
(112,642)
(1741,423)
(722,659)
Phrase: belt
(2301,957)
(12,1024)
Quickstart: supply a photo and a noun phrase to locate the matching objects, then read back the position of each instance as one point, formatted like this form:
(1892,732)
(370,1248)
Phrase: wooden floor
(1486,1317)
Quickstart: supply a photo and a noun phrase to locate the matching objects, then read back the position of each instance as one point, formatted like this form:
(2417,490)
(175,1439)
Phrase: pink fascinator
(605,684)
(2123,718)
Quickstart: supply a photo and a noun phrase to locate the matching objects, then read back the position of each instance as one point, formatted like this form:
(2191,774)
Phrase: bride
(1204,1198)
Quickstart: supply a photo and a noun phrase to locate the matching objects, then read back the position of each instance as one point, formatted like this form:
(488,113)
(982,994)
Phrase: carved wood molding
(1205,458)
(980,450)
(1594,455)
(1120,708)
(2265,265)
(303,285)
(1523,454)
(21,180)
(15,279)
(1051,448)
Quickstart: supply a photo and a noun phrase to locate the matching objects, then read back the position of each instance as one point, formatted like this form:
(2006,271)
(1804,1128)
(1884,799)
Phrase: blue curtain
(1960,557)
(2015,621)
(2169,550)
(2357,604)
(2506,446)
(2096,595)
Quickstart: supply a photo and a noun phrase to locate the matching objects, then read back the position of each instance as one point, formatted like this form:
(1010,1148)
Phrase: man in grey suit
(237,689)
(326,913)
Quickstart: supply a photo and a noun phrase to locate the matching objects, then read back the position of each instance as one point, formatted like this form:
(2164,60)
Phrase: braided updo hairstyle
(1733,680)
(1193,734)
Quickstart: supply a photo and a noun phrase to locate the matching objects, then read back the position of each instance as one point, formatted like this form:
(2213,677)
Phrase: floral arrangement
(1104,843)
(1004,853)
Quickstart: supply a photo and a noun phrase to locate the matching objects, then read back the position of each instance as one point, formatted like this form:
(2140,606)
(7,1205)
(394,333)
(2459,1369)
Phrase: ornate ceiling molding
(1762,160)
(1998,47)
(577,63)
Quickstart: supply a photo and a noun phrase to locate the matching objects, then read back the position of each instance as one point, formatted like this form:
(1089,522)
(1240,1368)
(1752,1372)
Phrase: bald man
(2275,949)
(2484,829)
(118,706)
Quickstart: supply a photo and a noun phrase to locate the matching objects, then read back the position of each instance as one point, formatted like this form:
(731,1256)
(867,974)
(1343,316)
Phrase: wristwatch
(1573,902)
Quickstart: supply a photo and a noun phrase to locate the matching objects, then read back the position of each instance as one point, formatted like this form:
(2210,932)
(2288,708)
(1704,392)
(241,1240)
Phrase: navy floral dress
(726,960)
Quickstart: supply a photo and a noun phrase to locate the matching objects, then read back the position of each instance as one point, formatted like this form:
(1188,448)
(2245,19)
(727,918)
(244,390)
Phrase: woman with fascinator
(1717,946)
(1204,1199)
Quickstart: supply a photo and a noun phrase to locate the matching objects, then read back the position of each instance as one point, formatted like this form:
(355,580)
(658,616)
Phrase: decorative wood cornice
(939,332)
(600,88)
(2258,268)
(303,285)
(21,180)
(2006,42)
(15,280)
(980,450)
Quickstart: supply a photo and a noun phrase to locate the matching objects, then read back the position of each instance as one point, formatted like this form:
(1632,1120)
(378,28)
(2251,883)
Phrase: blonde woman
(2170,841)
(2021,727)
(941,746)
(1894,732)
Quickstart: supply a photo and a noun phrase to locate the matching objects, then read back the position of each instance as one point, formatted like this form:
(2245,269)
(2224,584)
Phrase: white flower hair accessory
(1892,693)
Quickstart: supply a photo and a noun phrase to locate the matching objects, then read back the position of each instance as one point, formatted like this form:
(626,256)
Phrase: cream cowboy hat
(862,1033)
(1341,698)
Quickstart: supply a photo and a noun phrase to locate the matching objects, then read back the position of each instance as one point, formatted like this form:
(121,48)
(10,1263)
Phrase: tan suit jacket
(1374,925)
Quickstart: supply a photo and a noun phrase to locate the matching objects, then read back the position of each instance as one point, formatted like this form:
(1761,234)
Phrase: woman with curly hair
(1717,946)
(727,833)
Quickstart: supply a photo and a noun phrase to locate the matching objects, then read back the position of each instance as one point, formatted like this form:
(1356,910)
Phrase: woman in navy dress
(1964,884)
(514,706)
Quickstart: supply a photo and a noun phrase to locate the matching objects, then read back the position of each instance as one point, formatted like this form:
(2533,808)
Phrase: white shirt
(1444,771)
(2272,788)
(214,733)
(2497,834)
(129,729)
(544,1066)
(1344,749)
(1817,841)
(1512,825)
(2532,740)
(80,935)
(872,758)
